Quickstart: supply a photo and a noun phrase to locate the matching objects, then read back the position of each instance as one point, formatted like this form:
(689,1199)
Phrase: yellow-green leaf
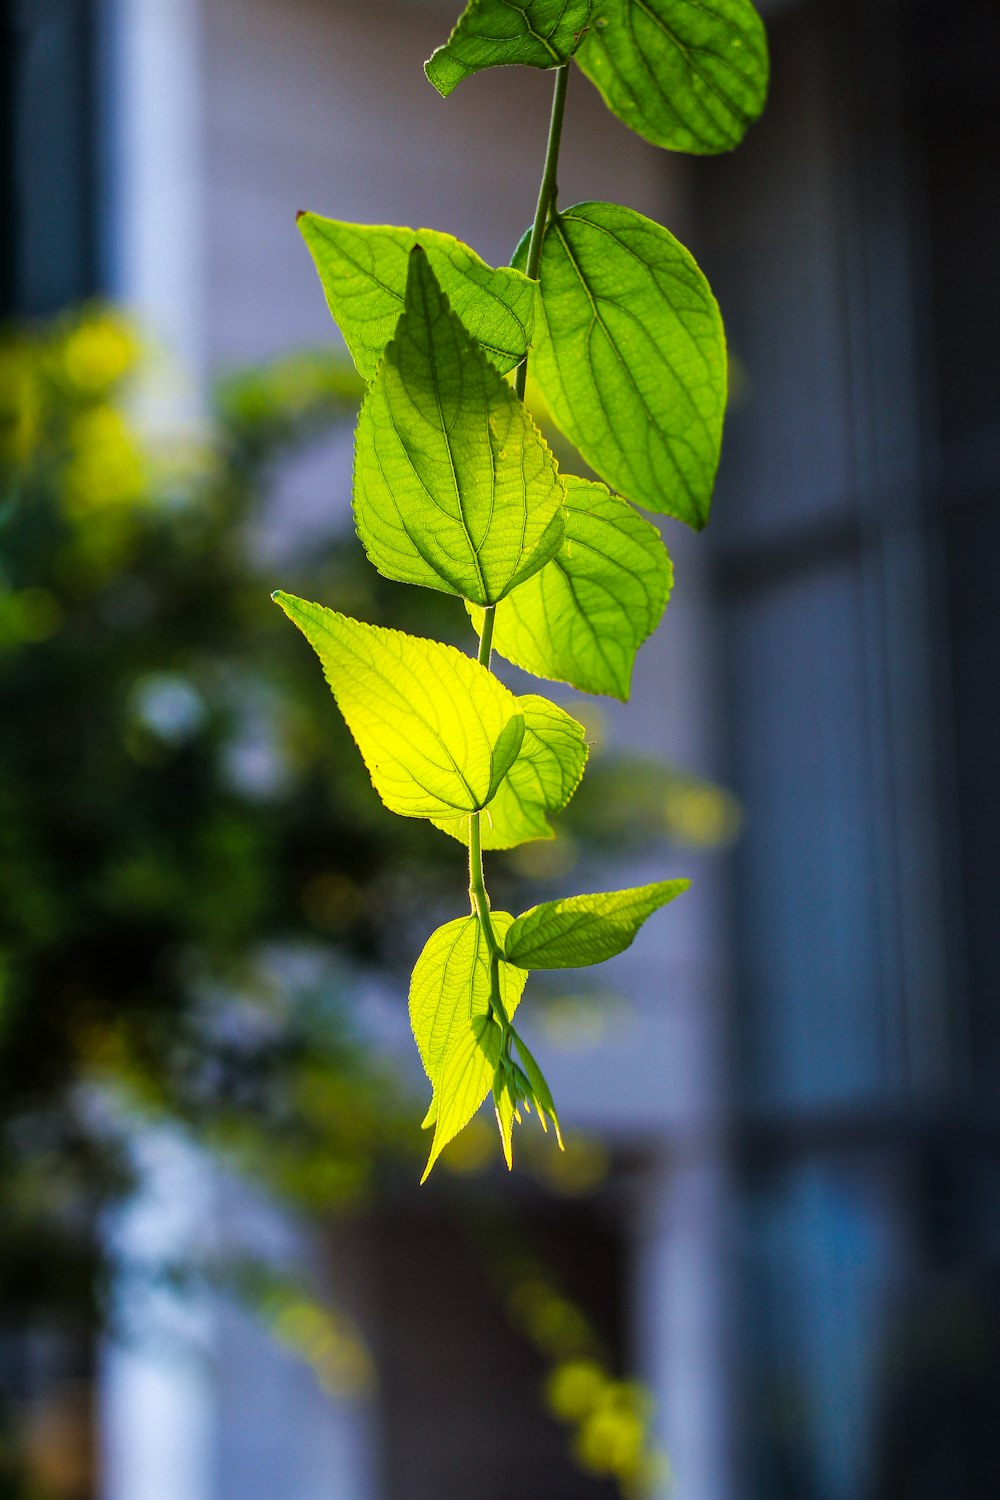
(466,1078)
(363,270)
(583,930)
(582,618)
(542,779)
(458,1040)
(454,486)
(437,731)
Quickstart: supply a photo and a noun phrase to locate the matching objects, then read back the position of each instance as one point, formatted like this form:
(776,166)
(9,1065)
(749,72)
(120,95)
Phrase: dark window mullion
(49,149)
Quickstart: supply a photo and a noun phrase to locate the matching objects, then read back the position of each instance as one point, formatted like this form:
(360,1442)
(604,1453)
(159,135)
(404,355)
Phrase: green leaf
(454,486)
(542,779)
(582,618)
(490,33)
(363,270)
(582,930)
(466,1078)
(450,986)
(630,356)
(437,731)
(458,1040)
(685,74)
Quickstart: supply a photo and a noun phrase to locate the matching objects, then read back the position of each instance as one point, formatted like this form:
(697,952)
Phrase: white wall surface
(156,71)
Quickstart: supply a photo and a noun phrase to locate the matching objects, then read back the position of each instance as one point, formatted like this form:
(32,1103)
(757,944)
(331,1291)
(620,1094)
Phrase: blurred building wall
(845,242)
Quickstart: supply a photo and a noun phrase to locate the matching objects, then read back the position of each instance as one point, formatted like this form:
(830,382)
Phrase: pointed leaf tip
(363,270)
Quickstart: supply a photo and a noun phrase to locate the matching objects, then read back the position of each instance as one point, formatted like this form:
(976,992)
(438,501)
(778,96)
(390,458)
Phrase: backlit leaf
(466,1078)
(458,1039)
(685,74)
(490,33)
(437,731)
(506,1109)
(450,986)
(582,930)
(454,486)
(363,270)
(582,618)
(630,356)
(542,779)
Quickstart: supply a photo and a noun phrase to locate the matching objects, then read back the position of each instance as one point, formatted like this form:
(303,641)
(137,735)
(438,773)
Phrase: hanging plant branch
(455,489)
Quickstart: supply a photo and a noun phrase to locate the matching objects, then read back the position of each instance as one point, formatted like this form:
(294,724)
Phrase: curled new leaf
(436,730)
(454,486)
(686,75)
(491,33)
(583,930)
(542,780)
(582,618)
(540,1093)
(630,356)
(363,270)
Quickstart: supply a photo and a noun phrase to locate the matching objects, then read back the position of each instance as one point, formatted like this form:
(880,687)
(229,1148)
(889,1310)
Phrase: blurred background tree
(177,812)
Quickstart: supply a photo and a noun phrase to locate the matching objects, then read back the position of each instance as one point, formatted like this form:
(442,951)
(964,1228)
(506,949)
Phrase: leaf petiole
(477,884)
(546,199)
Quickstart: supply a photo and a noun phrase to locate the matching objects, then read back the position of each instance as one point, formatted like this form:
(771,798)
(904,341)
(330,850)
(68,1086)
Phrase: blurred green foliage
(171,817)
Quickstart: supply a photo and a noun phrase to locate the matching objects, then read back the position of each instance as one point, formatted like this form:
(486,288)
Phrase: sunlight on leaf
(454,486)
(582,618)
(363,269)
(683,74)
(582,930)
(630,356)
(437,732)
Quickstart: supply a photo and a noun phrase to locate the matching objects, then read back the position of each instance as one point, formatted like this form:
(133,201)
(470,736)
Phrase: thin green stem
(477,883)
(486,636)
(546,198)
(481,907)
(499,1009)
